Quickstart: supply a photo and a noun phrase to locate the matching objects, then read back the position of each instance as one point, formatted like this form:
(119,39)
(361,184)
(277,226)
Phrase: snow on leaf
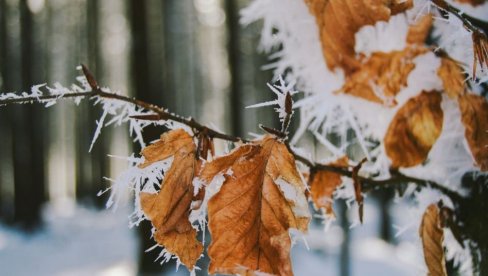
(414,130)
(169,209)
(382,76)
(250,216)
(339,20)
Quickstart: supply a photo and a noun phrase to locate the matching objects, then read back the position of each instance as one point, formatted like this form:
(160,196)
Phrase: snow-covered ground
(80,241)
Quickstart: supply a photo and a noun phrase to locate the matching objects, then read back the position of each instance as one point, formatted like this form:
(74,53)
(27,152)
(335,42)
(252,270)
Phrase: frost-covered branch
(471,23)
(285,109)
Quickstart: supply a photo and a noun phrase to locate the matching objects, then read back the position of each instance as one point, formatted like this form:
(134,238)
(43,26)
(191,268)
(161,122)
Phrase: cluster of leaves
(261,198)
(380,77)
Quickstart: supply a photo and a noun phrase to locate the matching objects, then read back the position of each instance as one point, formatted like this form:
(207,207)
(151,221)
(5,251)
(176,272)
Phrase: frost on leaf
(323,184)
(432,236)
(382,75)
(452,76)
(339,20)
(414,130)
(474,115)
(169,209)
(250,216)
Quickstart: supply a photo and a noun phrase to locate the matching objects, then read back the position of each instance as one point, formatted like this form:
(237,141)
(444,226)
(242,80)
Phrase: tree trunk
(28,144)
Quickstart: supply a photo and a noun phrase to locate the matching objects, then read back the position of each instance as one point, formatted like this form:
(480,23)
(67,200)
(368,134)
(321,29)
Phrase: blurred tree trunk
(28,138)
(92,166)
(248,84)
(234,62)
(3,120)
(344,260)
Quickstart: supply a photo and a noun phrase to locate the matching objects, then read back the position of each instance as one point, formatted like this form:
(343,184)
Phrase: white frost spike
(280,90)
(99,128)
(137,180)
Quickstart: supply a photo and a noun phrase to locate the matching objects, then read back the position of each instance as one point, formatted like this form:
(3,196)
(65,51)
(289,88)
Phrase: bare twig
(367,184)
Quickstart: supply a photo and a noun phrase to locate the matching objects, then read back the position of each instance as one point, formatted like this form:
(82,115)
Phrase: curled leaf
(169,209)
(452,76)
(382,75)
(323,184)
(261,198)
(339,20)
(432,236)
(480,49)
(414,130)
(474,115)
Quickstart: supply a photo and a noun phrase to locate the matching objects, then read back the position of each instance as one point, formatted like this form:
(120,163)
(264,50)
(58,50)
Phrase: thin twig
(368,184)
(470,23)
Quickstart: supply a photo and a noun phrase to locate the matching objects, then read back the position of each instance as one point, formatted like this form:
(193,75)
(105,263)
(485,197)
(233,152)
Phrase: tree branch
(368,184)
(469,22)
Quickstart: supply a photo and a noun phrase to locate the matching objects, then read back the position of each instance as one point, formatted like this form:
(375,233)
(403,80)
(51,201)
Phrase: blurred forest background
(190,56)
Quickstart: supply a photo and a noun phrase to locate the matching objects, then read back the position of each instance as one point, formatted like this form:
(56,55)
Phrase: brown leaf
(414,130)
(261,198)
(323,184)
(432,235)
(474,115)
(418,32)
(452,76)
(169,209)
(480,49)
(382,75)
(339,20)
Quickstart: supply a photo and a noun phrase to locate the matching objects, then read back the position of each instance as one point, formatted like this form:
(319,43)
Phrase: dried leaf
(414,130)
(323,184)
(432,236)
(169,209)
(382,76)
(452,76)
(474,115)
(339,20)
(261,198)
(480,49)
(418,32)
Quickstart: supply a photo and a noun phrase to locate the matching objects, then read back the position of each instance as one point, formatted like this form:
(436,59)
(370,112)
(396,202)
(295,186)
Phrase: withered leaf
(382,75)
(323,184)
(339,20)
(418,32)
(261,198)
(414,130)
(169,209)
(474,115)
(432,236)
(452,76)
